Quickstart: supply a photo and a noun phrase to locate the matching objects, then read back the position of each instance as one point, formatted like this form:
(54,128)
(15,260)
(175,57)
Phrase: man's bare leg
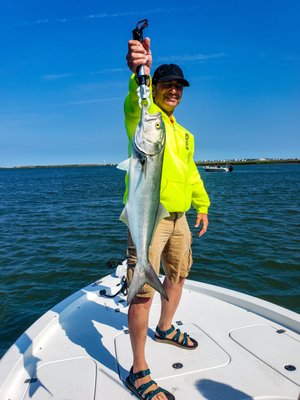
(168,308)
(138,318)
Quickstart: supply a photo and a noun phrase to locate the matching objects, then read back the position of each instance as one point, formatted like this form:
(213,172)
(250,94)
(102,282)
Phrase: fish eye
(157,125)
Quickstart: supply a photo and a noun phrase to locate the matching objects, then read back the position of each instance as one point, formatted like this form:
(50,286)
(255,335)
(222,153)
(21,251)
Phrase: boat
(218,168)
(80,349)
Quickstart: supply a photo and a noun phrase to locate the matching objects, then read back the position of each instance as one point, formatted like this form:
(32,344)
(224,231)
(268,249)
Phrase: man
(181,186)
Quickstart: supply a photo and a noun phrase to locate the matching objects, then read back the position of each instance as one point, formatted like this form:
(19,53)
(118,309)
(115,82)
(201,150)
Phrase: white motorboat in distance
(80,349)
(218,168)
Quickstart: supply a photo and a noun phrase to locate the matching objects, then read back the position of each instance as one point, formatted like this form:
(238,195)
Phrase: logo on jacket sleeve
(187,141)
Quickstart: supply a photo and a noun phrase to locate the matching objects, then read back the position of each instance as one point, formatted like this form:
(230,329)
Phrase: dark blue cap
(168,72)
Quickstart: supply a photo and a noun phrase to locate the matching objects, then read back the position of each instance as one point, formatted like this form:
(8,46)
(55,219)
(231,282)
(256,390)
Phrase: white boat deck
(80,350)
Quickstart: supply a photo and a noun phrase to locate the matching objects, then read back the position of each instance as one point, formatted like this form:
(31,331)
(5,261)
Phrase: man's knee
(142,300)
(140,305)
(176,282)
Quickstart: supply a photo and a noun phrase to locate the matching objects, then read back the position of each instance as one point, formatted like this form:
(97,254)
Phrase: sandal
(139,391)
(160,336)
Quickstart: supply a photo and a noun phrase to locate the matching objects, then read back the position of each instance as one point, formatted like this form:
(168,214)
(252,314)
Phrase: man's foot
(175,337)
(141,384)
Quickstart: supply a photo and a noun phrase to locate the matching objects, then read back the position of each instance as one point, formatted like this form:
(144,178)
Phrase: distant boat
(218,168)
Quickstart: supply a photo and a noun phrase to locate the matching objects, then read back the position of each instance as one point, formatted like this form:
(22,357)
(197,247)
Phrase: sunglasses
(171,85)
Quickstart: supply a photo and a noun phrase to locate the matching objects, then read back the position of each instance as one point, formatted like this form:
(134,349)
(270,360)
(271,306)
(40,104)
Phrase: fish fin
(161,214)
(136,285)
(153,280)
(124,165)
(140,278)
(124,216)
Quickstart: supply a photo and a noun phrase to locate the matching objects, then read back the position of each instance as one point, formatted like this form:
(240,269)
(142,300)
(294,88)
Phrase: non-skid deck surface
(80,350)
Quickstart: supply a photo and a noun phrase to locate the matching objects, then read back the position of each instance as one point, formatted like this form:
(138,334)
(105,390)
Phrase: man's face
(167,95)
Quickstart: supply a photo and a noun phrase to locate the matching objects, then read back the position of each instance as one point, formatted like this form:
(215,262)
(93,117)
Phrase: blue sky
(63,76)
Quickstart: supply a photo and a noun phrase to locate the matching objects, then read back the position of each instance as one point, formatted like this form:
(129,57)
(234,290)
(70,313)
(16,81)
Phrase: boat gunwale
(14,355)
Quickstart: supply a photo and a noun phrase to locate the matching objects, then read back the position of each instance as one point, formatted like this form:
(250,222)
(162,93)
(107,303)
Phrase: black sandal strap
(134,376)
(163,334)
(176,336)
(141,389)
(185,339)
(152,393)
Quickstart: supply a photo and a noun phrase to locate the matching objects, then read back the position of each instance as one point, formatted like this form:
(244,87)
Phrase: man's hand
(203,220)
(138,54)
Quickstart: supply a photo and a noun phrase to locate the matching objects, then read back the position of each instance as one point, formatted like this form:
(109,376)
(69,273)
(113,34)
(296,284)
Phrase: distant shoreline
(60,166)
(249,162)
(199,163)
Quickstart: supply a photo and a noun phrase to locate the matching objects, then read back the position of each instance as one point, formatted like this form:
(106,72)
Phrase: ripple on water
(58,228)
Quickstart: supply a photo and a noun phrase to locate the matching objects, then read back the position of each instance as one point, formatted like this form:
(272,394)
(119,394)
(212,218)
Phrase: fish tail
(148,276)
(153,280)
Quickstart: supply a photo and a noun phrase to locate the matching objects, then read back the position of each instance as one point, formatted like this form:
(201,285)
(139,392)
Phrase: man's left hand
(203,220)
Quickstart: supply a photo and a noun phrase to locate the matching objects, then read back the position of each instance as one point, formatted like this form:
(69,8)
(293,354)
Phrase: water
(59,226)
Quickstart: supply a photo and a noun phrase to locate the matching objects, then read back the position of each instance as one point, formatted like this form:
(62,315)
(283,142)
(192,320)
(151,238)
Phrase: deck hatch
(67,379)
(208,355)
(275,348)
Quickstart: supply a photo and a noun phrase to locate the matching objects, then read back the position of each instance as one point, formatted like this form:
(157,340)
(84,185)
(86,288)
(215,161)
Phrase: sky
(63,77)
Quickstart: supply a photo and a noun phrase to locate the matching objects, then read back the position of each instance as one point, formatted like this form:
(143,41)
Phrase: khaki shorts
(171,244)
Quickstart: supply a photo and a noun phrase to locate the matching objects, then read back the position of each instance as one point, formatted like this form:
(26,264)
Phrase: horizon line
(218,161)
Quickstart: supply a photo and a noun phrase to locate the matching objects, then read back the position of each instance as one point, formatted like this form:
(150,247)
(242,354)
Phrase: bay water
(59,227)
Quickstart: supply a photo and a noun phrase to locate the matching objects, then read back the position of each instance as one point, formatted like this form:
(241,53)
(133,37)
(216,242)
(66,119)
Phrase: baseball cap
(168,72)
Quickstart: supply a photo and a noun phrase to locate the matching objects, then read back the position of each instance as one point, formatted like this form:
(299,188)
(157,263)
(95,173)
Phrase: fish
(143,210)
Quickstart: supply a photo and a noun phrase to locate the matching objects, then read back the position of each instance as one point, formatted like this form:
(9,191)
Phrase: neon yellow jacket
(181,184)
